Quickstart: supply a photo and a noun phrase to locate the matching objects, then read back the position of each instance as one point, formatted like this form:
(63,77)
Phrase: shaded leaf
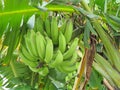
(115,18)
(86,13)
(86,37)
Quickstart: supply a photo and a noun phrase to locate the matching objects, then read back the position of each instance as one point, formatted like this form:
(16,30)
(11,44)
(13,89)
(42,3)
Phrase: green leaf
(95,80)
(100,4)
(86,13)
(22,87)
(14,38)
(113,74)
(114,18)
(86,37)
(111,25)
(56,83)
(91,28)
(100,70)
(14,73)
(12,14)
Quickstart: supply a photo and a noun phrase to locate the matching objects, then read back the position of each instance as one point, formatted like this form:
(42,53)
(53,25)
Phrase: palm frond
(14,74)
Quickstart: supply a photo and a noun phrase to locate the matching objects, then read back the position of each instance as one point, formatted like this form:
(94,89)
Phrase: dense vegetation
(60,44)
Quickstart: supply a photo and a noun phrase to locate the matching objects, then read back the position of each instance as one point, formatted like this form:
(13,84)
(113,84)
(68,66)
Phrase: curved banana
(70,61)
(39,25)
(49,50)
(68,31)
(71,50)
(40,44)
(27,54)
(62,42)
(66,64)
(26,60)
(29,42)
(47,27)
(54,30)
(67,69)
(58,59)
(43,71)
(33,43)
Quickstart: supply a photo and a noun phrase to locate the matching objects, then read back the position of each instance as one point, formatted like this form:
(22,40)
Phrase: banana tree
(49,44)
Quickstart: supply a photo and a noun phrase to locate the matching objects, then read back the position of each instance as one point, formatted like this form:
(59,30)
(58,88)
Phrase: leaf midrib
(19,11)
(49,8)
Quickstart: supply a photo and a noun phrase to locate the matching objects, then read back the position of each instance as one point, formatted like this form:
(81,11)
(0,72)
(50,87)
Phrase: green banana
(62,28)
(33,41)
(27,54)
(54,30)
(58,59)
(68,31)
(48,27)
(26,60)
(62,42)
(71,50)
(67,69)
(29,42)
(40,44)
(39,25)
(68,66)
(43,71)
(49,50)
(70,61)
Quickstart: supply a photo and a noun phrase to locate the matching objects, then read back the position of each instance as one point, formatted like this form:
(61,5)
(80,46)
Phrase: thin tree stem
(13,69)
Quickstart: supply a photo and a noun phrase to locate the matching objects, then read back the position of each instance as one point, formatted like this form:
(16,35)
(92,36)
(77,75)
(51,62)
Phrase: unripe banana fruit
(48,27)
(40,44)
(49,50)
(39,48)
(69,65)
(71,50)
(26,61)
(58,59)
(43,71)
(27,54)
(28,43)
(54,30)
(68,31)
(62,42)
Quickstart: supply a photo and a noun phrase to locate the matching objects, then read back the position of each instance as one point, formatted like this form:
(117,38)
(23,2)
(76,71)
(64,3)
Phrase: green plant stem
(13,69)
(32,79)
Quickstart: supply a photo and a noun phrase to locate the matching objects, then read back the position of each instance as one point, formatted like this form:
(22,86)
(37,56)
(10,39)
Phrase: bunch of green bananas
(34,52)
(52,30)
(41,52)
(62,37)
